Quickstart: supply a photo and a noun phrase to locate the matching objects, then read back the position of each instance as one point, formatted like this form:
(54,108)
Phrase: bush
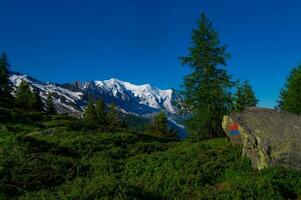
(50,159)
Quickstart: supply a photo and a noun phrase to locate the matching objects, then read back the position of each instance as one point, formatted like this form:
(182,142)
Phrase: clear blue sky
(140,40)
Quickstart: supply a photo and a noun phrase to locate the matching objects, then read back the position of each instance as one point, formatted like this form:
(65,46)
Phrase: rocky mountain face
(71,98)
(268,137)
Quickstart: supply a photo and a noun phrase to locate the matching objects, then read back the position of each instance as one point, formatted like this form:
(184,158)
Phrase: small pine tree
(112,118)
(101,113)
(50,109)
(24,96)
(244,97)
(159,125)
(90,115)
(290,95)
(206,90)
(4,79)
(37,101)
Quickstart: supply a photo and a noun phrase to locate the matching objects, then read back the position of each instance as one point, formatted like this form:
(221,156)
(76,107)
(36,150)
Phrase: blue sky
(140,40)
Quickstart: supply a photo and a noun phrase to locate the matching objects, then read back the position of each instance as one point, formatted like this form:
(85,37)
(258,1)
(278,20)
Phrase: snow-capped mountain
(130,98)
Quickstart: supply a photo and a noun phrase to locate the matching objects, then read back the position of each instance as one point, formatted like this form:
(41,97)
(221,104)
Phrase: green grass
(52,158)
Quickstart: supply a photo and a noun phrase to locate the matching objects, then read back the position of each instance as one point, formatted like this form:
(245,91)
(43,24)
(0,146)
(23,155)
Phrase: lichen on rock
(268,137)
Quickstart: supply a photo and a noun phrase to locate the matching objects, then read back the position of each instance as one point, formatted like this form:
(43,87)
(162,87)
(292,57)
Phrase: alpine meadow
(193,120)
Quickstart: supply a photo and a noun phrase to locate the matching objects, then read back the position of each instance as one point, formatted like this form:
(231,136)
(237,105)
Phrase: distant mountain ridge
(71,98)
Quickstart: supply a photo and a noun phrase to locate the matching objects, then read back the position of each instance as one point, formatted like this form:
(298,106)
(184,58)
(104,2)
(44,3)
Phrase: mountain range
(71,98)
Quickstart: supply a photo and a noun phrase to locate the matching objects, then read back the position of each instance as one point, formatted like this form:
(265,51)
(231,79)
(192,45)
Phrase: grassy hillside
(59,158)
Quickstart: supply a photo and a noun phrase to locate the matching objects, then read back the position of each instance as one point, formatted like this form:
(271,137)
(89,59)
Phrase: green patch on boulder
(268,137)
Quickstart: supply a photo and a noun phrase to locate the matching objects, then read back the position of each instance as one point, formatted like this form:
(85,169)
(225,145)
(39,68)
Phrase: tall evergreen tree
(244,97)
(50,109)
(290,95)
(101,113)
(206,91)
(90,115)
(24,96)
(4,81)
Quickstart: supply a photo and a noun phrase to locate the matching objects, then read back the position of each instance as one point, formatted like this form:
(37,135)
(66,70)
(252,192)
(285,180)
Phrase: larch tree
(206,90)
(244,97)
(50,109)
(37,101)
(4,79)
(112,118)
(101,113)
(24,96)
(290,95)
(90,115)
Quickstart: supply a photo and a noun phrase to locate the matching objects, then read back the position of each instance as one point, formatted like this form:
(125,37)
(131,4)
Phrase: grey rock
(268,137)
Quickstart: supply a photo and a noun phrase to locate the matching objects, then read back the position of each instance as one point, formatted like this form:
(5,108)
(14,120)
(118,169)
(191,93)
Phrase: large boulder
(268,137)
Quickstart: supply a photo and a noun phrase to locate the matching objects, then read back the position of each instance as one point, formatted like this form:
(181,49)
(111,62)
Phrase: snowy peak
(65,100)
(147,94)
(72,98)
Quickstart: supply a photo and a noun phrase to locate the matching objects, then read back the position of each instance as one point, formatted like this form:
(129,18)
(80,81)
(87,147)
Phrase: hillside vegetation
(108,155)
(57,157)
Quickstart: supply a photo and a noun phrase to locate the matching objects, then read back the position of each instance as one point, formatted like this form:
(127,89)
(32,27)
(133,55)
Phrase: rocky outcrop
(268,137)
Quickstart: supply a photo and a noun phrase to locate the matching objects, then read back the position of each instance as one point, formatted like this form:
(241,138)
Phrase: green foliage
(158,125)
(97,115)
(37,103)
(4,81)
(206,91)
(13,116)
(102,118)
(59,161)
(290,95)
(4,70)
(50,109)
(44,157)
(244,97)
(27,99)
(134,122)
(101,114)
(24,96)
(181,171)
(90,115)
(242,182)
(114,122)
